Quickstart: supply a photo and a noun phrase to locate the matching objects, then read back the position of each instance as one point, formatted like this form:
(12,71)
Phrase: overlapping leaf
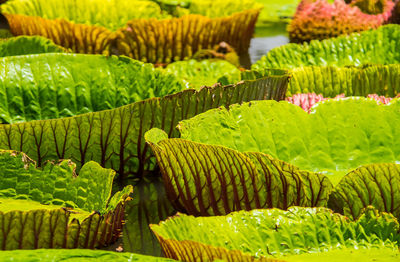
(25,45)
(326,67)
(213,170)
(52,208)
(274,233)
(134,29)
(377,185)
(111,14)
(169,40)
(332,138)
(59,85)
(319,19)
(351,81)
(378,46)
(214,180)
(50,86)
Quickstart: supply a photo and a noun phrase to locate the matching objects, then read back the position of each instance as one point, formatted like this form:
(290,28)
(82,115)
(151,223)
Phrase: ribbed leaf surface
(377,185)
(111,14)
(25,45)
(380,46)
(26,224)
(62,85)
(273,233)
(135,28)
(221,164)
(47,86)
(169,40)
(215,180)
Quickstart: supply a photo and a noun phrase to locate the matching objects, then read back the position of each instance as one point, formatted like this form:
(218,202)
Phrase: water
(267,37)
(259,46)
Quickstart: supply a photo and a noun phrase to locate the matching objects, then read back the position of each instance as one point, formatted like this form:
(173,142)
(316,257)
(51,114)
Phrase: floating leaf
(214,180)
(52,208)
(169,40)
(47,86)
(25,45)
(99,27)
(274,233)
(110,14)
(320,19)
(379,47)
(264,154)
(62,85)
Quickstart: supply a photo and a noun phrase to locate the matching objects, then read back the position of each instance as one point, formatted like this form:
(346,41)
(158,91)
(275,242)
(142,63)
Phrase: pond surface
(259,46)
(266,38)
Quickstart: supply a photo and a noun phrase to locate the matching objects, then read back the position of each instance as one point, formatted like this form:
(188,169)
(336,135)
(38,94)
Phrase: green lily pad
(356,65)
(25,45)
(98,108)
(266,154)
(109,14)
(52,207)
(274,233)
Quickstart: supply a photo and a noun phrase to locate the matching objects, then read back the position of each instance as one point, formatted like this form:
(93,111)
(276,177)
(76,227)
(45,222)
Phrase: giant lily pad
(268,154)
(359,64)
(319,19)
(259,235)
(51,207)
(25,45)
(60,88)
(48,86)
(351,81)
(132,28)
(378,46)
(176,41)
